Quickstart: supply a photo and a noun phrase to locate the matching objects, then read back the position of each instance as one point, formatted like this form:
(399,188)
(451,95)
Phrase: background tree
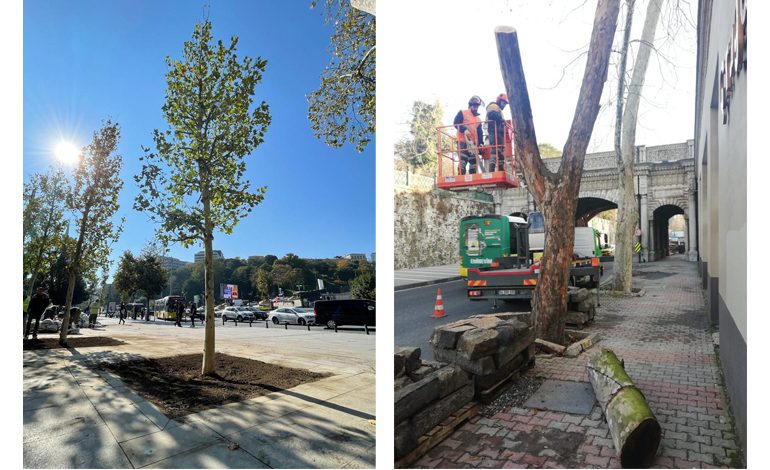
(193,183)
(126,280)
(420,149)
(344,106)
(556,193)
(364,286)
(263,282)
(43,224)
(94,201)
(548,151)
(57,280)
(625,140)
(152,276)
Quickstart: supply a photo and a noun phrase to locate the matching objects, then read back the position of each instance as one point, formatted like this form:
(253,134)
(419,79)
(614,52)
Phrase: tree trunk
(627,207)
(634,429)
(556,194)
(208,272)
(550,296)
(74,267)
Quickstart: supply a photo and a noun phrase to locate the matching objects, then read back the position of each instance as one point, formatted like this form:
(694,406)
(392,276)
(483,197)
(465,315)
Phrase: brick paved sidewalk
(664,339)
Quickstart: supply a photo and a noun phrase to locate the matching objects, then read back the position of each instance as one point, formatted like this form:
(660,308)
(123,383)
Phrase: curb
(425,283)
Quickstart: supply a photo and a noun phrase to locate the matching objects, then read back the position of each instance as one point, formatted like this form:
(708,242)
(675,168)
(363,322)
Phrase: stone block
(451,378)
(437,412)
(482,366)
(576,318)
(525,317)
(484,321)
(483,382)
(420,373)
(445,337)
(586,305)
(399,363)
(506,353)
(411,358)
(411,398)
(401,382)
(406,440)
(578,294)
(478,343)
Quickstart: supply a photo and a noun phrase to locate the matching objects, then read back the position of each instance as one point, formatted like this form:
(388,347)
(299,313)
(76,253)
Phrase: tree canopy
(420,148)
(342,110)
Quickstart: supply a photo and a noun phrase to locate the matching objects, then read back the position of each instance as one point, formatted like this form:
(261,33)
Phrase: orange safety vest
(472,123)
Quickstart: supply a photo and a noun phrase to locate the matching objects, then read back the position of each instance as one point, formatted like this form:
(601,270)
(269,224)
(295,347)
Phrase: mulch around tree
(84,342)
(176,386)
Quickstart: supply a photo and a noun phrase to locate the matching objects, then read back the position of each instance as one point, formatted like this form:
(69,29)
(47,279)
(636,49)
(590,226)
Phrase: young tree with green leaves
(126,280)
(420,149)
(364,286)
(344,106)
(43,223)
(152,276)
(193,183)
(94,201)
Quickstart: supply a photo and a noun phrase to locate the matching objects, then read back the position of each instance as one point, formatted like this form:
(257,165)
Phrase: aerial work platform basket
(450,176)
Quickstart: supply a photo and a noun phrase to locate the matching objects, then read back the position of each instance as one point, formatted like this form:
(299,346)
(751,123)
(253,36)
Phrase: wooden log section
(635,431)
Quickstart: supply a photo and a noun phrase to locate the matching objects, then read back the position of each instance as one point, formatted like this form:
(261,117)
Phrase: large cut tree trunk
(634,429)
(556,193)
(627,207)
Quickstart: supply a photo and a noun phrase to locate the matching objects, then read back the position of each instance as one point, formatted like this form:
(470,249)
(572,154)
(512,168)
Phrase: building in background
(355,256)
(172,264)
(216,254)
(720,156)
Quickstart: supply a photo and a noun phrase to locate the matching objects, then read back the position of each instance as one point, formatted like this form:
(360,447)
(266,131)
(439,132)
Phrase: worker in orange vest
(496,129)
(469,134)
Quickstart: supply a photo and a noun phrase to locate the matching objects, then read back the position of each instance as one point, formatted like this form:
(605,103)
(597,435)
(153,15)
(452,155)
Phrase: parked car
(258,314)
(345,312)
(293,315)
(237,314)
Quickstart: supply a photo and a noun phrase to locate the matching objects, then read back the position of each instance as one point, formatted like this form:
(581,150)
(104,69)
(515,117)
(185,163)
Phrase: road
(414,309)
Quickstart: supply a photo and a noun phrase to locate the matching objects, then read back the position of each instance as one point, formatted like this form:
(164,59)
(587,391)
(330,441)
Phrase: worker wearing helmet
(496,129)
(469,134)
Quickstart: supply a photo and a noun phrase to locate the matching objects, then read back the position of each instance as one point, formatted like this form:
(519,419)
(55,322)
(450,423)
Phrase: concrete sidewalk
(667,347)
(77,416)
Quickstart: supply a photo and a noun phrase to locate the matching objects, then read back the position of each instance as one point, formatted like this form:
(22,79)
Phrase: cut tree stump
(635,431)
(551,347)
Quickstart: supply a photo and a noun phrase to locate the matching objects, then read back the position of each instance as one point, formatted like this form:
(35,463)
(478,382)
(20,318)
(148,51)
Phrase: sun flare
(67,152)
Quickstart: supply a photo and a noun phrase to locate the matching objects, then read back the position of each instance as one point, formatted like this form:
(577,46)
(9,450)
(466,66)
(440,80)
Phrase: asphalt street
(414,310)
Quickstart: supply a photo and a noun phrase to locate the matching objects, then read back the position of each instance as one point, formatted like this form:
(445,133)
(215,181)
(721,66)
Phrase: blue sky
(85,61)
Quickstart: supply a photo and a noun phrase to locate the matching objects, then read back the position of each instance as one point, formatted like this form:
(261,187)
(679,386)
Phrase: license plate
(508,292)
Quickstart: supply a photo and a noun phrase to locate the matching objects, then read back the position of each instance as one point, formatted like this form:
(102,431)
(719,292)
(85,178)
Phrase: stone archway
(658,224)
(589,207)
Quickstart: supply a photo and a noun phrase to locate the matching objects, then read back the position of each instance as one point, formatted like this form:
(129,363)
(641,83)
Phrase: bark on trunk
(628,214)
(74,268)
(208,365)
(634,429)
(556,193)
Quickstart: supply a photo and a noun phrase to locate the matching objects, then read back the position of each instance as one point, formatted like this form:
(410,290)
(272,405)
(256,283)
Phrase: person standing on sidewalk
(37,306)
(122,313)
(179,313)
(193,311)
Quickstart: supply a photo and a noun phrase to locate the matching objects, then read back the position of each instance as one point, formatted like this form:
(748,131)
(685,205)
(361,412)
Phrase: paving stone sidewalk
(668,350)
(79,416)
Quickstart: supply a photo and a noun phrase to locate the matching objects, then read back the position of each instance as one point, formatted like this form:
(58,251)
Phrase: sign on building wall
(734,60)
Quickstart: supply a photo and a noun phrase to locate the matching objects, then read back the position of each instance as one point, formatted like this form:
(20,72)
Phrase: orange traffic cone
(438,312)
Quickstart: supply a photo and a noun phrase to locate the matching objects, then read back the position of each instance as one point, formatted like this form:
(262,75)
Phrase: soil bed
(175,384)
(84,342)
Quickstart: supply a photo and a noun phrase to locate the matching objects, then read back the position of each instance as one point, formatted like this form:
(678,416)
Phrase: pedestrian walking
(193,311)
(122,313)
(469,134)
(179,313)
(37,305)
(496,129)
(93,313)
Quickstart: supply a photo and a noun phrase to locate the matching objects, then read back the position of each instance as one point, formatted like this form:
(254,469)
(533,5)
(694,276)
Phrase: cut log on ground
(551,347)
(634,429)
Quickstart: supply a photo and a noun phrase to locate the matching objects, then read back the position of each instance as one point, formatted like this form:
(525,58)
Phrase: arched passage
(659,229)
(589,207)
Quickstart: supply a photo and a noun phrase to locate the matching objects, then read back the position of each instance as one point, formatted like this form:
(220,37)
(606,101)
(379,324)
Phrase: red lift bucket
(451,178)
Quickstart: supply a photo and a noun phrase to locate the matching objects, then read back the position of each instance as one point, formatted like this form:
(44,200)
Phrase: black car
(345,312)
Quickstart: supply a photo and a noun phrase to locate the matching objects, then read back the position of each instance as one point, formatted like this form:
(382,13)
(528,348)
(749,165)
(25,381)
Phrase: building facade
(720,154)
(215,254)
(172,264)
(355,256)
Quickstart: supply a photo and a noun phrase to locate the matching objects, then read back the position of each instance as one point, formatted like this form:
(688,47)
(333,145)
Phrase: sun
(66,152)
